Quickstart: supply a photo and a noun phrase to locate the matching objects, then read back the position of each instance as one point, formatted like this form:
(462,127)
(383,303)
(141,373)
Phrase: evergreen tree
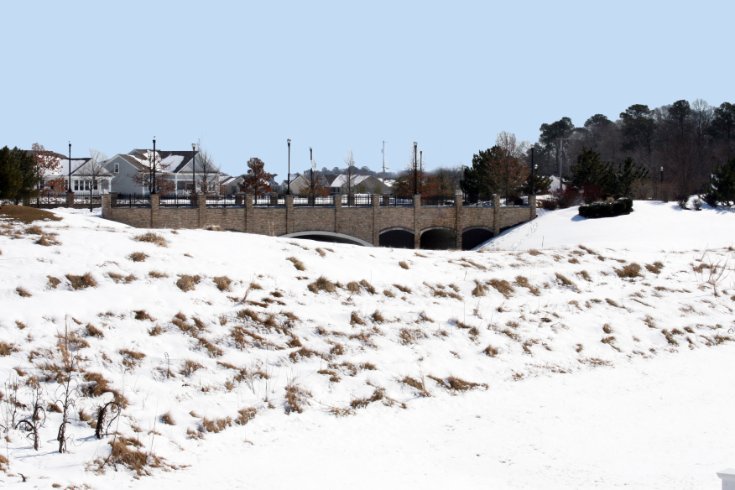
(626,174)
(18,175)
(257,180)
(722,185)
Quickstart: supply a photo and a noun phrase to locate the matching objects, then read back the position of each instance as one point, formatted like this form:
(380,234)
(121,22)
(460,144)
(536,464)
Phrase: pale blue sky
(242,77)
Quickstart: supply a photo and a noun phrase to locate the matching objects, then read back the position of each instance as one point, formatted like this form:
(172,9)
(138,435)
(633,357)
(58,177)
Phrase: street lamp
(415,169)
(288,183)
(68,187)
(193,168)
(153,191)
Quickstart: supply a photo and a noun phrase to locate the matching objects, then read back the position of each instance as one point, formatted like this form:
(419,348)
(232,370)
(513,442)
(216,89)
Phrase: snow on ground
(652,226)
(594,364)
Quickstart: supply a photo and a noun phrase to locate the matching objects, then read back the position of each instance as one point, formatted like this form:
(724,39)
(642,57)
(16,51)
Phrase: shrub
(81,282)
(502,286)
(245,415)
(623,205)
(23,292)
(187,282)
(296,398)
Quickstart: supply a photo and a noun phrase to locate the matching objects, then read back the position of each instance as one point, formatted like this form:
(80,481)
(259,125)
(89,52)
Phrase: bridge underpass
(397,238)
(438,239)
(473,237)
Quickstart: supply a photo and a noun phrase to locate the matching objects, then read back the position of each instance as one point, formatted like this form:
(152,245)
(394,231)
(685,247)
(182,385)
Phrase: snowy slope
(653,226)
(406,340)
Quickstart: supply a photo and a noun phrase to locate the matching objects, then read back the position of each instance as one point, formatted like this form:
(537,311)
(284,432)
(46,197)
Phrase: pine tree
(722,185)
(257,180)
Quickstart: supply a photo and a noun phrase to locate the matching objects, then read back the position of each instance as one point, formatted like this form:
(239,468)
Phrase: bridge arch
(328,236)
(396,237)
(438,238)
(473,236)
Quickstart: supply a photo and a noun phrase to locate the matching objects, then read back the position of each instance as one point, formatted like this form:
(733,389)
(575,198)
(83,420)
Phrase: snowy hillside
(245,360)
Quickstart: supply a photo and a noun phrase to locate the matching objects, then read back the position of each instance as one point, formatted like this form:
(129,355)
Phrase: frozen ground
(582,354)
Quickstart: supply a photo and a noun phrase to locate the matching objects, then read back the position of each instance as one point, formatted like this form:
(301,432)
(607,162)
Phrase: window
(117,168)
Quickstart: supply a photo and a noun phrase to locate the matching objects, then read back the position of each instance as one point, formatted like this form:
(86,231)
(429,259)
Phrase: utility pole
(312,184)
(383,153)
(421,170)
(532,190)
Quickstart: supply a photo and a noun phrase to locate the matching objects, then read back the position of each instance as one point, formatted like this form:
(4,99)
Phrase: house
(301,183)
(175,170)
(87,175)
(359,184)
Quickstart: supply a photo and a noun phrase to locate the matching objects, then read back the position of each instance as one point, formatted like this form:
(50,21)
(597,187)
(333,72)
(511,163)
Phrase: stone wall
(365,223)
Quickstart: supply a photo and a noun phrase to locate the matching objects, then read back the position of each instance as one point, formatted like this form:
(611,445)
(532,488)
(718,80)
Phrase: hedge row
(623,205)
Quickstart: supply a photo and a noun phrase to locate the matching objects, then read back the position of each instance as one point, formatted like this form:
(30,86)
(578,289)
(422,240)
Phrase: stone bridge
(376,221)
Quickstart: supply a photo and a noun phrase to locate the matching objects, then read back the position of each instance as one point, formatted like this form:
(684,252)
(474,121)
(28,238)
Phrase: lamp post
(421,170)
(193,168)
(532,190)
(68,187)
(415,170)
(153,191)
(312,184)
(288,181)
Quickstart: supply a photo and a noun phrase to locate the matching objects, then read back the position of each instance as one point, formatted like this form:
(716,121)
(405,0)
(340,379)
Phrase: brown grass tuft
(322,284)
(404,264)
(187,282)
(479,289)
(655,268)
(167,419)
(26,214)
(189,367)
(565,281)
(137,256)
(151,237)
(296,398)
(131,358)
(157,275)
(629,271)
(142,315)
(245,415)
(53,282)
(92,331)
(378,394)
(23,292)
(215,425)
(491,351)
(296,263)
(416,384)
(522,281)
(222,282)
(81,282)
(502,286)
(6,349)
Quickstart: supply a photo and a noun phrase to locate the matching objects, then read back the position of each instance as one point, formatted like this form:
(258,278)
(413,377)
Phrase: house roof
(173,161)
(341,180)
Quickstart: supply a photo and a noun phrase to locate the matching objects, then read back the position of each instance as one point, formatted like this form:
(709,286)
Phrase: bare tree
(206,170)
(66,378)
(36,420)
(257,180)
(47,163)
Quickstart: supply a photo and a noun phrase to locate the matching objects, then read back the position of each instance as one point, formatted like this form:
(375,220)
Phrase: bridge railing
(396,201)
(174,201)
(225,202)
(313,201)
(269,201)
(357,200)
(438,201)
(132,201)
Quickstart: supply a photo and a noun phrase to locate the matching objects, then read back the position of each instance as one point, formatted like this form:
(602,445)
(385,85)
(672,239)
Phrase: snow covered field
(567,354)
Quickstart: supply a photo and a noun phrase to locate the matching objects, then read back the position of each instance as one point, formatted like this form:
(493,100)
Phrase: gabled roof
(91,168)
(341,180)
(173,161)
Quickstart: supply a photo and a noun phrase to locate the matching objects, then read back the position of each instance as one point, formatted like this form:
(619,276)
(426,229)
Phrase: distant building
(359,184)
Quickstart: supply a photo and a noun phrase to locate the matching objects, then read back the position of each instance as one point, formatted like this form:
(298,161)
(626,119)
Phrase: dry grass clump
(454,383)
(418,385)
(215,425)
(491,351)
(167,419)
(522,281)
(6,349)
(142,315)
(222,282)
(125,451)
(151,237)
(655,268)
(403,289)
(534,252)
(137,257)
(3,463)
(92,331)
(47,239)
(119,278)
(404,264)
(155,330)
(187,282)
(584,275)
(378,394)
(296,263)
(53,282)
(408,336)
(131,358)
(502,286)
(157,274)
(190,367)
(245,415)
(629,271)
(296,398)
(23,292)
(333,376)
(322,284)
(81,282)
(565,281)
(356,319)
(607,328)
(26,214)
(479,289)
(377,317)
